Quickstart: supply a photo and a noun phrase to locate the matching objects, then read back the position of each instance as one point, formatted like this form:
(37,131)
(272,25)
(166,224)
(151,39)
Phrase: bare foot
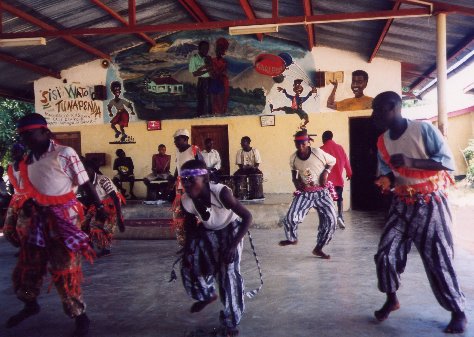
(458,323)
(30,309)
(287,243)
(200,305)
(319,253)
(389,306)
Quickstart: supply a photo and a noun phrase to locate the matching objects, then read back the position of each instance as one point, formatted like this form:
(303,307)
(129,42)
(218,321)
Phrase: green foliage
(469,155)
(10,112)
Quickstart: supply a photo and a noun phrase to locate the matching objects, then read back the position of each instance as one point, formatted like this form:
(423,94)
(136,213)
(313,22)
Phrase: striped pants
(300,207)
(426,223)
(203,263)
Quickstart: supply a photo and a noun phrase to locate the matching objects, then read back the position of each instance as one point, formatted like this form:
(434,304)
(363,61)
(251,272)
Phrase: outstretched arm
(331,103)
(230,202)
(118,209)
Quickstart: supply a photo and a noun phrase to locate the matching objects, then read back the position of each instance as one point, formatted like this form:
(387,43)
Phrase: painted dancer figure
(415,157)
(101,232)
(45,227)
(121,105)
(310,168)
(215,224)
(296,102)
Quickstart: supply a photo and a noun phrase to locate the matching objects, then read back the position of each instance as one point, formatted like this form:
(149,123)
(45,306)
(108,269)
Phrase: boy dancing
(414,157)
(45,228)
(310,168)
(215,224)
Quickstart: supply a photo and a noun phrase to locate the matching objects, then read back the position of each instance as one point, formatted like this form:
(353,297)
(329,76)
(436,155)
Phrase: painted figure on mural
(200,66)
(219,85)
(121,105)
(359,82)
(296,102)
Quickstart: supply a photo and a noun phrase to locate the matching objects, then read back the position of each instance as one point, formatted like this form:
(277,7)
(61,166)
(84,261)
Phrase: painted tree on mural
(10,112)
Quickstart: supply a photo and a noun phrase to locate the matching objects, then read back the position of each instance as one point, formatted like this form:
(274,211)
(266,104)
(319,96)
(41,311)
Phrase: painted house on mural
(164,85)
(146,76)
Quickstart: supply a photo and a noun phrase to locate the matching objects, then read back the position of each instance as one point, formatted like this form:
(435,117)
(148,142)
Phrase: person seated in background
(248,159)
(160,171)
(124,167)
(212,159)
(5,196)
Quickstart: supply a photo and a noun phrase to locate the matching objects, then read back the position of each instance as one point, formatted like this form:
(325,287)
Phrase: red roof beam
(250,15)
(193,8)
(48,28)
(119,18)
(132,12)
(384,32)
(274,9)
(308,11)
(29,66)
(283,21)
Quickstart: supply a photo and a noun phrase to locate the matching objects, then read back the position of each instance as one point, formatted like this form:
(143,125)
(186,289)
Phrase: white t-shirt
(57,171)
(248,158)
(212,159)
(311,168)
(220,216)
(183,157)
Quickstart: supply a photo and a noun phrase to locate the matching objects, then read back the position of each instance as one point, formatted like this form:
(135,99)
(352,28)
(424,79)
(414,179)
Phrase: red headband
(31,127)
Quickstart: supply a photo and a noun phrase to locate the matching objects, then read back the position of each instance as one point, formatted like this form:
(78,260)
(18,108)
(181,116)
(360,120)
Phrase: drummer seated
(248,158)
(160,178)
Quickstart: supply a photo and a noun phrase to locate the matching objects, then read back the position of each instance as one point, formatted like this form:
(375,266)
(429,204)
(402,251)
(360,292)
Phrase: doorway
(220,135)
(71,139)
(365,196)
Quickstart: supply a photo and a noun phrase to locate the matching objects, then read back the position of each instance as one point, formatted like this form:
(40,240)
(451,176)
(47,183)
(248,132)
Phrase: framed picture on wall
(153,125)
(267,120)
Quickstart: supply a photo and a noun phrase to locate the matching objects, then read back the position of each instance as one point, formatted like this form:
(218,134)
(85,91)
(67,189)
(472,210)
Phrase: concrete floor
(128,293)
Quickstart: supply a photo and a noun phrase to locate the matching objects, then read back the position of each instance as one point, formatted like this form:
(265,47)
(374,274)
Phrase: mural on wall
(194,74)
(122,116)
(360,79)
(68,104)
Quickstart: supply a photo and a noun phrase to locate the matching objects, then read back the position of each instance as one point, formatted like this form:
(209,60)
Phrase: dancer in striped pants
(215,224)
(310,168)
(414,157)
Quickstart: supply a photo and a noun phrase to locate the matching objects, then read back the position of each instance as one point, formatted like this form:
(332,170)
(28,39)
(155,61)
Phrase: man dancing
(46,226)
(310,168)
(415,157)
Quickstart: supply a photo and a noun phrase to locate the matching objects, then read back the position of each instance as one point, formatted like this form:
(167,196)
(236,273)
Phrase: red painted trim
(384,32)
(29,66)
(194,10)
(322,18)
(455,113)
(250,14)
(31,19)
(132,12)
(275,9)
(120,19)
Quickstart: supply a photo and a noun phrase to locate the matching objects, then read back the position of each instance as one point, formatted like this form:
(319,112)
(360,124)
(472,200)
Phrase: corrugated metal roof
(411,41)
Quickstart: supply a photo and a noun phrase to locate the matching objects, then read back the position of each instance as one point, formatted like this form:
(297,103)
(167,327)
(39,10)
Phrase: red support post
(195,26)
(384,32)
(275,9)
(132,13)
(29,66)
(119,18)
(250,15)
(48,28)
(308,11)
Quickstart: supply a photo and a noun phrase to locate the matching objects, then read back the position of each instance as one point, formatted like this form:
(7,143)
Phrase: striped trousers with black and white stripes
(426,223)
(204,264)
(300,206)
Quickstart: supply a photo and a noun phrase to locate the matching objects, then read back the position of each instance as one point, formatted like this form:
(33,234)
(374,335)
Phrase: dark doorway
(71,139)
(365,196)
(219,135)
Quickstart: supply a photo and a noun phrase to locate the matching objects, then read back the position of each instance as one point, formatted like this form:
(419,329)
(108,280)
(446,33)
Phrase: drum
(255,186)
(240,187)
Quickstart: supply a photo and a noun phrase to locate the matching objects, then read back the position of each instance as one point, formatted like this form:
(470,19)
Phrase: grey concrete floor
(128,293)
